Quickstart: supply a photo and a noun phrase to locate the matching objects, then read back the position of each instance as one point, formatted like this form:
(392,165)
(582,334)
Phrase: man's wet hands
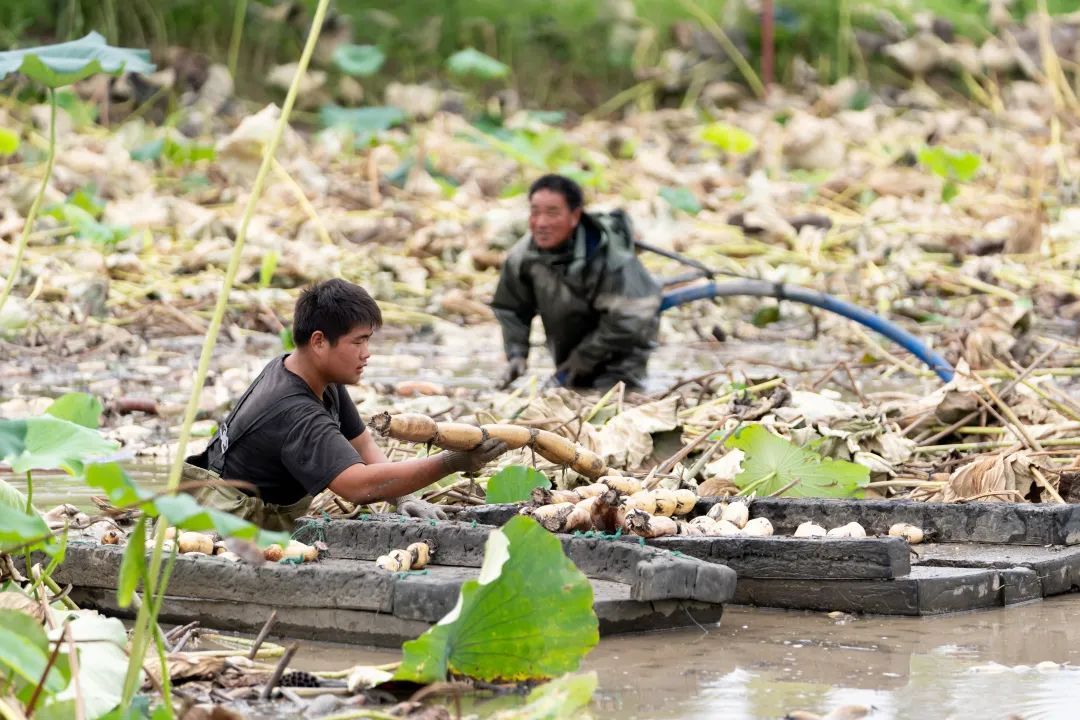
(421,509)
(515,368)
(469,462)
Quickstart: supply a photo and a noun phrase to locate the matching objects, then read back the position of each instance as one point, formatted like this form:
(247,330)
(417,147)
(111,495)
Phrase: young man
(578,270)
(295,432)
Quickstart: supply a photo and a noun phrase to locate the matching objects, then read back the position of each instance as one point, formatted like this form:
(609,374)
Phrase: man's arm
(514,307)
(363,484)
(372,454)
(366,446)
(628,305)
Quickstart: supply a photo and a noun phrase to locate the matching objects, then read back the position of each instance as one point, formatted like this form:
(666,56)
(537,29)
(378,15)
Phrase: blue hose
(761,288)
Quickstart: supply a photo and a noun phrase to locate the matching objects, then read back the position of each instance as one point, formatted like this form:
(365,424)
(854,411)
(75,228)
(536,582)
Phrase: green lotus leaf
(528,616)
(470,62)
(772,464)
(515,484)
(49,443)
(359,60)
(65,63)
(24,652)
(681,199)
(78,407)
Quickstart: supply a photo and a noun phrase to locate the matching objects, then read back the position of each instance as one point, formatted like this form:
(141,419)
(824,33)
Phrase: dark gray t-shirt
(284,440)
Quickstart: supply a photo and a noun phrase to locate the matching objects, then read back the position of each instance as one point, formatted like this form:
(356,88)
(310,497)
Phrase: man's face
(344,361)
(551,221)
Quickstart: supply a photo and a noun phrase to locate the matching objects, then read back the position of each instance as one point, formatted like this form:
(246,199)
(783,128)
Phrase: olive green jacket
(599,305)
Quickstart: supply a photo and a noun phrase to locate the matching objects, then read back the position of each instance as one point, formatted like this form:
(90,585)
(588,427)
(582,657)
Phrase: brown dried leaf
(717,487)
(626,439)
(1009,477)
(186,666)
(12,600)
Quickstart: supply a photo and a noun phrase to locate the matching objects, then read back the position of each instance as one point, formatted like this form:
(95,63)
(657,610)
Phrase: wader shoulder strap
(215,458)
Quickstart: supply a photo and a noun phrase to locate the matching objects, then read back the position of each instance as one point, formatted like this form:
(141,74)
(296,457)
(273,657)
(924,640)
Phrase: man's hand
(471,461)
(515,368)
(421,509)
(571,371)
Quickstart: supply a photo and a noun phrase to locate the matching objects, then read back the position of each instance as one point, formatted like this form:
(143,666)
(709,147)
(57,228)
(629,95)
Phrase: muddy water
(765,663)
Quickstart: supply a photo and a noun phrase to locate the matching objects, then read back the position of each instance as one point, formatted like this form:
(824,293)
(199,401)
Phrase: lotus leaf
(529,615)
(65,63)
(515,484)
(772,464)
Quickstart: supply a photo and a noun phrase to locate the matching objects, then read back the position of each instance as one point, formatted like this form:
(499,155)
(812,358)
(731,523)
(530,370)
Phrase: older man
(578,271)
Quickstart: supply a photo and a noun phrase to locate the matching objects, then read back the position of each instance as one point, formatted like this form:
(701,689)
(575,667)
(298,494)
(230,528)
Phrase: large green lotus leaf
(472,62)
(681,199)
(773,464)
(515,484)
(361,120)
(66,63)
(359,60)
(78,407)
(18,528)
(529,615)
(49,443)
(119,488)
(133,564)
(103,662)
(564,697)
(11,497)
(24,650)
(12,438)
(181,510)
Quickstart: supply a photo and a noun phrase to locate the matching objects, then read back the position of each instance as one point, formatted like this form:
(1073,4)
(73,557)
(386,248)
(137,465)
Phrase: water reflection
(763,664)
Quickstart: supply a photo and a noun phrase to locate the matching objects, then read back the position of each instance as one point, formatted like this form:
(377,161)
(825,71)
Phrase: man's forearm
(362,484)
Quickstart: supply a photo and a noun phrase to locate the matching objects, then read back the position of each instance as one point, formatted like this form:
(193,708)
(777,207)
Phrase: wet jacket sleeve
(628,305)
(515,306)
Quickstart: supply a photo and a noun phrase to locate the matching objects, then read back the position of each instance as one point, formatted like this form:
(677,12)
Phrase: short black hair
(335,307)
(563,185)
